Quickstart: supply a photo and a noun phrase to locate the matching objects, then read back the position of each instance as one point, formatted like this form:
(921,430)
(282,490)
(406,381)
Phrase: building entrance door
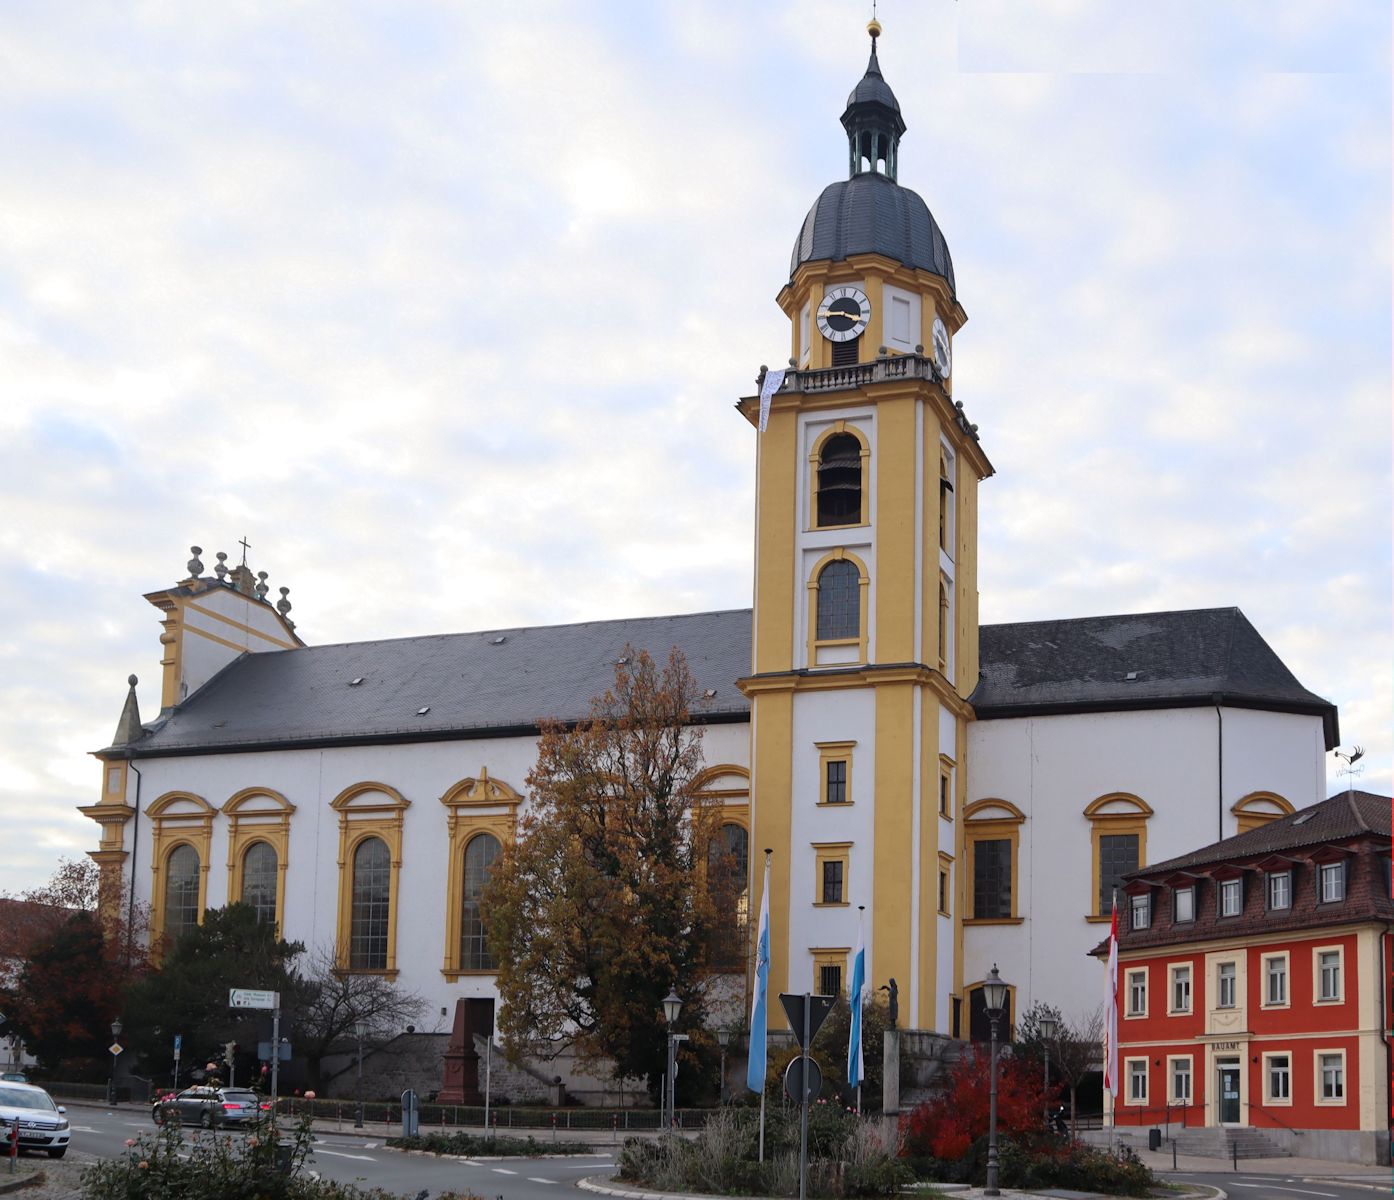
(1229,1093)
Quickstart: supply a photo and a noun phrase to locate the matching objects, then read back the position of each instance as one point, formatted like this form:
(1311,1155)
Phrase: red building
(1256,983)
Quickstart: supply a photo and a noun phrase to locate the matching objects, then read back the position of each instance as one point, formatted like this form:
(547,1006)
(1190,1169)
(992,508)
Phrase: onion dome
(869,212)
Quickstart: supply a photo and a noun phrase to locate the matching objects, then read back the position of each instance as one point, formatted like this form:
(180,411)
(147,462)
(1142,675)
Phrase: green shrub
(846,1157)
(468,1145)
(261,1165)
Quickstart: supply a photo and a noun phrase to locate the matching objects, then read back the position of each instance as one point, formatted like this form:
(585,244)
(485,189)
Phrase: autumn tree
(331,1003)
(604,903)
(67,952)
(65,997)
(951,1124)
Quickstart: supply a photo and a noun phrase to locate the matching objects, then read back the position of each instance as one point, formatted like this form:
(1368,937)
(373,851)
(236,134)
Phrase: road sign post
(806,1015)
(178,1047)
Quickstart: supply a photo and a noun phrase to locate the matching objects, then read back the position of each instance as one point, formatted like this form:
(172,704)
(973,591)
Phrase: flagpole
(755,1070)
(855,1065)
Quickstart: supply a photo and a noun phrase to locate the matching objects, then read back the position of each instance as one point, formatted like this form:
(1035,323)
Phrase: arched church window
(840,481)
(259,868)
(370,906)
(728,867)
(946,499)
(181,891)
(839,601)
(480,854)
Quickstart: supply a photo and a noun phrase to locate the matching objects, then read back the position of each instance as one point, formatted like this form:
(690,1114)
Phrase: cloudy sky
(444,307)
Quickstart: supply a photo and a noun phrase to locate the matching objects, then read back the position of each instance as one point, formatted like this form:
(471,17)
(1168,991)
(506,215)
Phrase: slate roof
(872,88)
(1146,660)
(1343,816)
(477,686)
(473,684)
(872,214)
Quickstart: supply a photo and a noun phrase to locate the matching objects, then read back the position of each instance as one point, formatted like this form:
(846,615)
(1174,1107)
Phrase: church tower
(865,639)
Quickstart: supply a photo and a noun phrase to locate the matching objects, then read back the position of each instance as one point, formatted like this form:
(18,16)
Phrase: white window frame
(1331,871)
(1319,1055)
(1233,979)
(1176,894)
(1136,983)
(1319,995)
(1173,1062)
(1132,1076)
(1273,878)
(1231,897)
(1174,973)
(1267,1001)
(1141,903)
(1268,1096)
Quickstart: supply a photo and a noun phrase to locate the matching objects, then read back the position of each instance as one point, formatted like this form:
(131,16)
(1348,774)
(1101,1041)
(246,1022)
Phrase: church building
(979,790)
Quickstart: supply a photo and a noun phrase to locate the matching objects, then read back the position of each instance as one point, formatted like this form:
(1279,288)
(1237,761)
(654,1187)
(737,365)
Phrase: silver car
(42,1124)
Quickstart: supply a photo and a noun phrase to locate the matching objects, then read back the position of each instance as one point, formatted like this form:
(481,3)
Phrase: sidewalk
(1311,1168)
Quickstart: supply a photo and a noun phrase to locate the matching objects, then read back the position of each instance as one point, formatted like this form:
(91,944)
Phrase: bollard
(1173,1154)
(1234,1152)
(554,1127)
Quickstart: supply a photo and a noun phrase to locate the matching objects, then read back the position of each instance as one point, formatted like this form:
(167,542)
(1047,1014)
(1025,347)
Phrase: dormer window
(1142,911)
(1333,882)
(839,500)
(1231,897)
(1183,905)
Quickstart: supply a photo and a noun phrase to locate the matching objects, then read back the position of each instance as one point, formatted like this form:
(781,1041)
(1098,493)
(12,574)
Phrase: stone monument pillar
(461,1082)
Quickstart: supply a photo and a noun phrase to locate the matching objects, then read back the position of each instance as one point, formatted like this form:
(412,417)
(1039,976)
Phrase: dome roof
(872,214)
(872,87)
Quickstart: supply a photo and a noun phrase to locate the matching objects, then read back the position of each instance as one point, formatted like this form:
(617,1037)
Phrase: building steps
(1227,1142)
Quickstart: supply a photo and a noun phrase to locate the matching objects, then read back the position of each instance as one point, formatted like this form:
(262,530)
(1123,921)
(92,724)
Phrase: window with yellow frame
(834,772)
(946,787)
(258,842)
(830,882)
(946,865)
(179,819)
(477,807)
(829,969)
(838,590)
(991,846)
(1118,830)
(1259,808)
(371,816)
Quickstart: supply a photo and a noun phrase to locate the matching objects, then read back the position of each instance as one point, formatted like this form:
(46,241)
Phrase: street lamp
(358,1115)
(723,1039)
(995,1002)
(1048,1027)
(116,1028)
(672,1006)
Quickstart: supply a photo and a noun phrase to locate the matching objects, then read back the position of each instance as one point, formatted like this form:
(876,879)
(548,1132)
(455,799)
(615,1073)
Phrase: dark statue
(892,1001)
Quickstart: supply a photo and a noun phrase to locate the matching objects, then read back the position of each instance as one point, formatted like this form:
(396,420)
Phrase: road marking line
(504,1171)
(1277,1187)
(539,1179)
(341,1154)
(84,1129)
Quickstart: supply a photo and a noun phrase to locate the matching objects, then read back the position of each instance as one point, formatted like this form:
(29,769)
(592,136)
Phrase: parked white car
(43,1125)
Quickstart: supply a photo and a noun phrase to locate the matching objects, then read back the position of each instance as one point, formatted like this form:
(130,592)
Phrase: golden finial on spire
(873,27)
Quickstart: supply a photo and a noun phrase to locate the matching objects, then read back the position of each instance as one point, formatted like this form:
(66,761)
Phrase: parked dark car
(207,1106)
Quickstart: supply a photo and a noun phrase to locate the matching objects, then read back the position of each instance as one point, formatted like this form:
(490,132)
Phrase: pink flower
(130,1141)
(144,1164)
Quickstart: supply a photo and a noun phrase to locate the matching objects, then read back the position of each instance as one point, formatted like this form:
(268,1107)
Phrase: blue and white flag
(755,1071)
(854,998)
(774,380)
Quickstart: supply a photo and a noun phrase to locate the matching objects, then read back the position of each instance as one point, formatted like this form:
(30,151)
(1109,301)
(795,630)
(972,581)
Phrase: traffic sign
(818,1009)
(251,998)
(178,1043)
(795,1087)
(115,1048)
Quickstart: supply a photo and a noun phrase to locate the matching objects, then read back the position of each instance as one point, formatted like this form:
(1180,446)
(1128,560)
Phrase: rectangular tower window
(830,879)
(837,781)
(830,980)
(1226,989)
(1280,890)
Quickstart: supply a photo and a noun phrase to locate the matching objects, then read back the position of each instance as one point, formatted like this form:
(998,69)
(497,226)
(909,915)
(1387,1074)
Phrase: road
(365,1160)
(1240,1186)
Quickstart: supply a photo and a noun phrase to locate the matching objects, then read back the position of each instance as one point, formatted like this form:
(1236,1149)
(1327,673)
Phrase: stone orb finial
(132,680)
(195,567)
(221,569)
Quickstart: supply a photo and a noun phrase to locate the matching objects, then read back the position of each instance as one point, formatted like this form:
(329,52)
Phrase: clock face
(843,314)
(942,358)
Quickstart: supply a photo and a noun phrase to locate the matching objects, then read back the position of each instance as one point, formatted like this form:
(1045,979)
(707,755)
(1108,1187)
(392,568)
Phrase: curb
(37,1179)
(491,1158)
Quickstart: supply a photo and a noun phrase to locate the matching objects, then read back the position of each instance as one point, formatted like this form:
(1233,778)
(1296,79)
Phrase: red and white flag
(1111,1008)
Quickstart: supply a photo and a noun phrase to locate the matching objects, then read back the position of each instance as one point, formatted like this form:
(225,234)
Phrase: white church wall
(832,716)
(1052,767)
(311,779)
